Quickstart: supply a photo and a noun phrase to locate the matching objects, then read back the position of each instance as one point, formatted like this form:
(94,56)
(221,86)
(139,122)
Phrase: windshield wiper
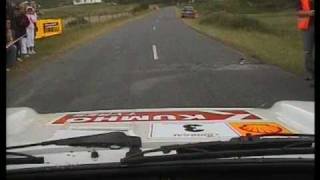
(247,142)
(112,140)
(23,159)
(236,147)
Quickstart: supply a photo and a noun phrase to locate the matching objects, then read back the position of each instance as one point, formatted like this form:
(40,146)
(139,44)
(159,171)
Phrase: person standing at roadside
(36,11)
(305,13)
(20,24)
(31,29)
(11,48)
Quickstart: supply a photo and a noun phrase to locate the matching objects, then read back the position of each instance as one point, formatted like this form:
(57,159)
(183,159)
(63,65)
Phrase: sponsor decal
(191,130)
(51,27)
(256,128)
(155,116)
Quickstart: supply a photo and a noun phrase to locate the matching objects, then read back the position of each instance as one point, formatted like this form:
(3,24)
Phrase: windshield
(122,54)
(166,71)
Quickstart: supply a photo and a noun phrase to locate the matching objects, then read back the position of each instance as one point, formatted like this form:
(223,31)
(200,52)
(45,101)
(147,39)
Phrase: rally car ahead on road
(188,12)
(183,143)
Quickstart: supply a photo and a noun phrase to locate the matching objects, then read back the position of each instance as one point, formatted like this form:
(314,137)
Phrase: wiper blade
(219,154)
(107,140)
(23,159)
(246,142)
(243,146)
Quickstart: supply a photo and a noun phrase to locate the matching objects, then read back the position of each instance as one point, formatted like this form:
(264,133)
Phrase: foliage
(234,21)
(140,7)
(78,21)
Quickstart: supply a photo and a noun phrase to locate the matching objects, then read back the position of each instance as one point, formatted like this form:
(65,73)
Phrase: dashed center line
(155,54)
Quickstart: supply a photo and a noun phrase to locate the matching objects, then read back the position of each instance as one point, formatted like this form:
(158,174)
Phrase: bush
(140,7)
(234,21)
(53,3)
(245,6)
(78,21)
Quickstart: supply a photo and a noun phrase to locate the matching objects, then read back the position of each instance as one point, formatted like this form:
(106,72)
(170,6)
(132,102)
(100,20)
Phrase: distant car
(188,12)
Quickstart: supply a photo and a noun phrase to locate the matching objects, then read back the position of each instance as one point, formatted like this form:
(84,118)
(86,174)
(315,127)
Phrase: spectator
(9,10)
(305,9)
(36,12)
(20,25)
(31,29)
(10,7)
(11,49)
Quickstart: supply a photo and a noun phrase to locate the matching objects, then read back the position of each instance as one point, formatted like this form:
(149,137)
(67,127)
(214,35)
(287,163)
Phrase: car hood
(155,127)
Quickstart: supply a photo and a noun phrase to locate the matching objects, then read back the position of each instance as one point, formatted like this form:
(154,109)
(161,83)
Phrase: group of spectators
(21,30)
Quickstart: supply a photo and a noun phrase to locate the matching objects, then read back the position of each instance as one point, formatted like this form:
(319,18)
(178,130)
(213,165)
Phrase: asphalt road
(153,62)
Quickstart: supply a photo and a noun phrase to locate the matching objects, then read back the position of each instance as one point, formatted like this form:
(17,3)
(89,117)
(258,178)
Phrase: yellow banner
(48,27)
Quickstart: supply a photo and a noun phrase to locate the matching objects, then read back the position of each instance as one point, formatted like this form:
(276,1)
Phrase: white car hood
(155,127)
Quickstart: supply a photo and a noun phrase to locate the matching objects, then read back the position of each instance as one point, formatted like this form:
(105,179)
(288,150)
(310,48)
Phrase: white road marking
(155,54)
(154,28)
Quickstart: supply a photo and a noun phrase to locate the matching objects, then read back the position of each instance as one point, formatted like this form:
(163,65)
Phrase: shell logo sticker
(256,128)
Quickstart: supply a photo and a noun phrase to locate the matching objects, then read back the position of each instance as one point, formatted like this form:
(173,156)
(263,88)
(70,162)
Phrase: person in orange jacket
(305,13)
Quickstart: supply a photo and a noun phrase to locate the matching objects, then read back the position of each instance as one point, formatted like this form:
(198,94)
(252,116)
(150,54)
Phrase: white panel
(191,130)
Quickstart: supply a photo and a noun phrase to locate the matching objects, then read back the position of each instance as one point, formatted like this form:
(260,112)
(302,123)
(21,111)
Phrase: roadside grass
(282,23)
(85,10)
(54,3)
(50,48)
(268,36)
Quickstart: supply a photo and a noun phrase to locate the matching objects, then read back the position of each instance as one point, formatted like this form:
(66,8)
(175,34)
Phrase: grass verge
(86,10)
(270,37)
